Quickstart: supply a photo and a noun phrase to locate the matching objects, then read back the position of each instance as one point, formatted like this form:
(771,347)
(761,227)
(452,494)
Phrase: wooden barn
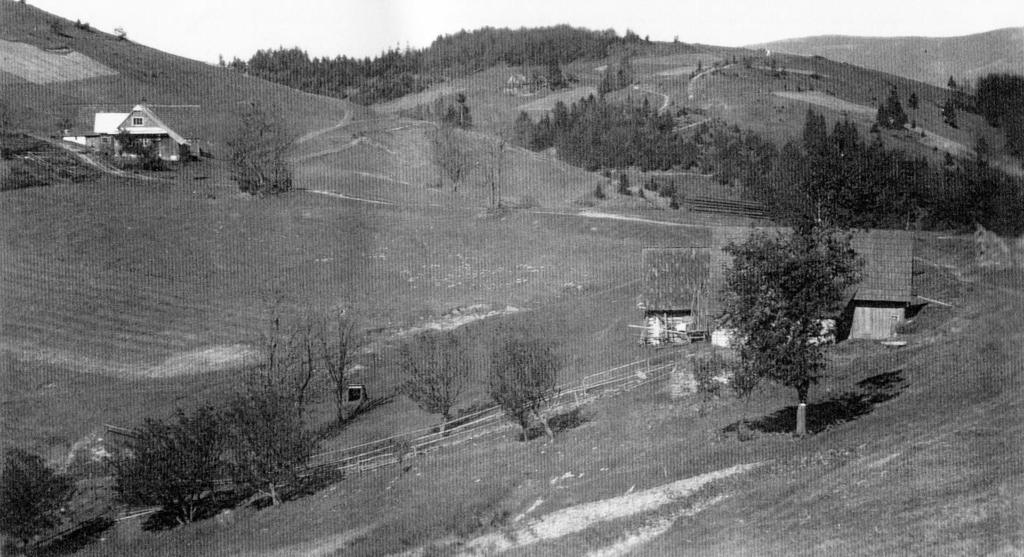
(681,290)
(675,294)
(886,288)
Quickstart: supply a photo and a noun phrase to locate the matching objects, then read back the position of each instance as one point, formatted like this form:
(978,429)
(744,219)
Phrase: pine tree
(949,113)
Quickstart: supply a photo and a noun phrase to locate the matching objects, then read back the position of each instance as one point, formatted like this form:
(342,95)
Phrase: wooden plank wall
(875,322)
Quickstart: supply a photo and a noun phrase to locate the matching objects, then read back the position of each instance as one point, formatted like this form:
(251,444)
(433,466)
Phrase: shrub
(173,464)
(266,442)
(599,192)
(31,495)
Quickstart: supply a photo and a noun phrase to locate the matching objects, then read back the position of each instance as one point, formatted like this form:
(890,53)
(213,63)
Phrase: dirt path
(318,548)
(693,80)
(345,147)
(665,98)
(349,197)
(317,133)
(613,216)
(87,159)
(580,517)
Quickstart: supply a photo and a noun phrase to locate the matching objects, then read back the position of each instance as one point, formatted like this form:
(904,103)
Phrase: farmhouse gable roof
(108,123)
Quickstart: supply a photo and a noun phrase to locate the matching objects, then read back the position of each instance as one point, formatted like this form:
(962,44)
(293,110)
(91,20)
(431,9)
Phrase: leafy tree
(599,192)
(258,151)
(31,495)
(556,80)
(266,442)
(450,155)
(624,184)
(437,366)
(776,292)
(524,370)
(145,152)
(174,464)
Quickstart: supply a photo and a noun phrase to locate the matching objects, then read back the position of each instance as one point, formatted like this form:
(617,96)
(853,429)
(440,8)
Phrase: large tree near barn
(776,292)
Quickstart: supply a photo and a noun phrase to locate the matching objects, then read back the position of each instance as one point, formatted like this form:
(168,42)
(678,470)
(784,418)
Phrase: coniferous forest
(396,73)
(836,176)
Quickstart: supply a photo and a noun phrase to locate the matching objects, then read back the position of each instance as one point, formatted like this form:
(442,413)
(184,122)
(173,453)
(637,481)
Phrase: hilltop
(928,59)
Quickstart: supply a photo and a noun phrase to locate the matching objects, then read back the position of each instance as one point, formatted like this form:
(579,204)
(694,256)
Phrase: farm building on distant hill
(170,131)
(681,290)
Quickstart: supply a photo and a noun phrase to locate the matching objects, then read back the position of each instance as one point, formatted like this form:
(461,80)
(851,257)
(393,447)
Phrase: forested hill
(397,73)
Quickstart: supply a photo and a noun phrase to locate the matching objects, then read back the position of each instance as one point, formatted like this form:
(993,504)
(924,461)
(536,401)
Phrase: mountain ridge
(929,59)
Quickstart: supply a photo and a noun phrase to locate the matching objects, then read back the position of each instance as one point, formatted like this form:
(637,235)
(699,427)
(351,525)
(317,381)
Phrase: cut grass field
(36,65)
(915,451)
(153,279)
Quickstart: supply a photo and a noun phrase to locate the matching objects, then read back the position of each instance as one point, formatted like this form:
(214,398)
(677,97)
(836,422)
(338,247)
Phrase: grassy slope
(148,75)
(928,59)
(936,469)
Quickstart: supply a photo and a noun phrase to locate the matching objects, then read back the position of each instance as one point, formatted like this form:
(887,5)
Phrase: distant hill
(50,68)
(928,59)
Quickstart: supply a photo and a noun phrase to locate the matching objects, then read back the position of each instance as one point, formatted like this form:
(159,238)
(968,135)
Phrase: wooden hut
(879,302)
(674,294)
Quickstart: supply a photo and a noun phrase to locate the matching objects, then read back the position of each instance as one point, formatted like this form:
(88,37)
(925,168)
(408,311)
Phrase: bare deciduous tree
(450,155)
(524,369)
(258,151)
(437,367)
(337,340)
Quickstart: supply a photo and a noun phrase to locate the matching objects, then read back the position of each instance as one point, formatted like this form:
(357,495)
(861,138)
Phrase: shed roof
(888,274)
(675,279)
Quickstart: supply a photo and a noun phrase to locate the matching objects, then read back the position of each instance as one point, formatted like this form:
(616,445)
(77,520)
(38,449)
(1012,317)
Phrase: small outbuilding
(675,294)
(886,289)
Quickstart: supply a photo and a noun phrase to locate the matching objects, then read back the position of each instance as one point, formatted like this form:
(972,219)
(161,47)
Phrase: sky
(206,29)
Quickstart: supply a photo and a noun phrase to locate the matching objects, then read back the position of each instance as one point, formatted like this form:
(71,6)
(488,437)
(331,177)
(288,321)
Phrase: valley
(131,294)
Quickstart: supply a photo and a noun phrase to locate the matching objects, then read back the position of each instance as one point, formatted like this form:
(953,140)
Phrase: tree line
(593,133)
(395,72)
(841,179)
(832,176)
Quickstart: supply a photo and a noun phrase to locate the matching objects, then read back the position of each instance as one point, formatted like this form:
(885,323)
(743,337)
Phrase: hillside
(928,59)
(50,68)
(127,296)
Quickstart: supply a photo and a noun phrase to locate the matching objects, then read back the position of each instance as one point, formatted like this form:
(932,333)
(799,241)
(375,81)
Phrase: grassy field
(916,450)
(157,279)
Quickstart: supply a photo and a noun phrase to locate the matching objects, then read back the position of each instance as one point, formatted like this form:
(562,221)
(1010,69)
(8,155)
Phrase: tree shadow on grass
(839,409)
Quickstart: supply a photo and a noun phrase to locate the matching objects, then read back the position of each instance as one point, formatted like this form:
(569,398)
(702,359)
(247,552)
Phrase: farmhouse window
(105,140)
(137,121)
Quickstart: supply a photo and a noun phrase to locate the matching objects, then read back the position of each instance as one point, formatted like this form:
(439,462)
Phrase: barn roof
(888,274)
(675,279)
(672,273)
